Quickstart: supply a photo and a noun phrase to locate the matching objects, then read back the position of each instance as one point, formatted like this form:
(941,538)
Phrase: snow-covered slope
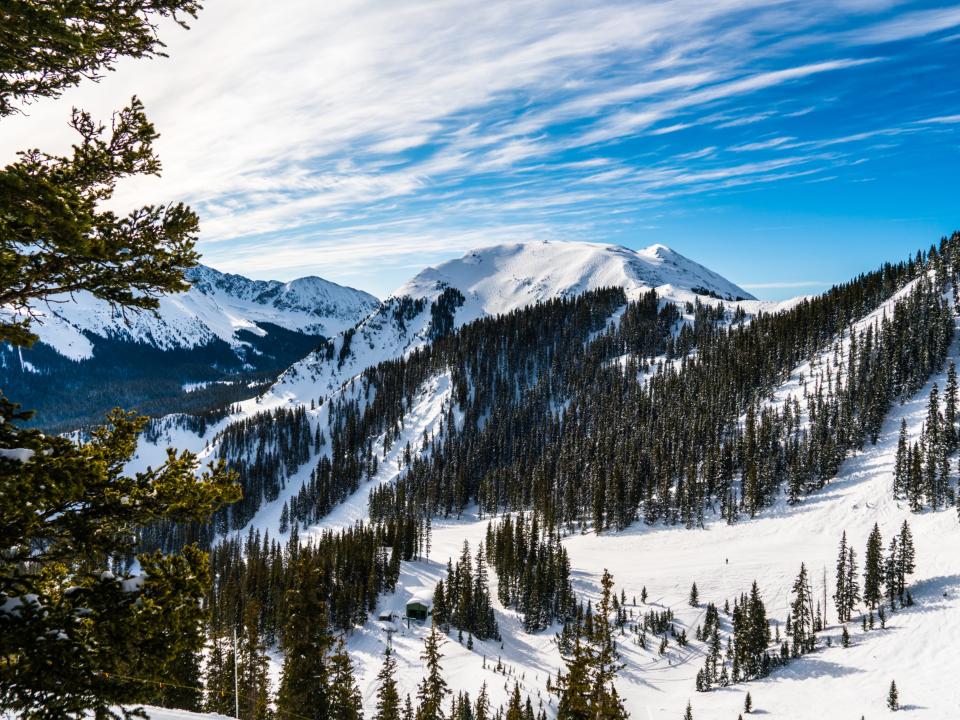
(217,306)
(502,278)
(724,560)
(506,277)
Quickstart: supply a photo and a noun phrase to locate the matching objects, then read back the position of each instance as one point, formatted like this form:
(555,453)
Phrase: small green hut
(418,610)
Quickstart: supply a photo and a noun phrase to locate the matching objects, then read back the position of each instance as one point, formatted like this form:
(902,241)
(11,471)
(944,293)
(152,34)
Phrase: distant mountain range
(211,344)
(229,337)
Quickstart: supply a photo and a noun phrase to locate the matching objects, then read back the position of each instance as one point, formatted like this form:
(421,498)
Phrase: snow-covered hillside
(217,306)
(724,560)
(499,279)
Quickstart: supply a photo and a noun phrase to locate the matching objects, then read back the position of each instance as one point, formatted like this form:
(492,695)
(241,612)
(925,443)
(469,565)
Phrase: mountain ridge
(497,279)
(217,305)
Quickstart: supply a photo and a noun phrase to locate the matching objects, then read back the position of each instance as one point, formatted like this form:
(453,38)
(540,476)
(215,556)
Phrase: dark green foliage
(264,450)
(433,688)
(466,604)
(533,569)
(587,441)
(587,690)
(748,644)
(68,514)
(442,312)
(345,570)
(56,238)
(71,394)
(346,703)
(80,40)
(304,684)
(873,568)
(751,635)
(847,594)
(388,699)
(802,614)
(252,664)
(898,565)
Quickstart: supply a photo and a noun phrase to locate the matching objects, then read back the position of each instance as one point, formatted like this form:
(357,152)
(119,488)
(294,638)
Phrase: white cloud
(295,126)
(941,120)
(909,25)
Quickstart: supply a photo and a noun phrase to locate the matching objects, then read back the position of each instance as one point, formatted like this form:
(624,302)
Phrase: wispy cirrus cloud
(326,136)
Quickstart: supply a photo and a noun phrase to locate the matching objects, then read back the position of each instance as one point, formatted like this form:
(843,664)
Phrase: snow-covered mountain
(499,279)
(502,278)
(216,343)
(660,559)
(217,306)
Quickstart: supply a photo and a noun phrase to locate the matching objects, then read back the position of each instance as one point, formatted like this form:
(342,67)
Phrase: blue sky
(786,145)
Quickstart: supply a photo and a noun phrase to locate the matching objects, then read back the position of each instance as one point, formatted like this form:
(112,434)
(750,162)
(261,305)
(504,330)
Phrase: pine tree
(688,714)
(433,688)
(252,667)
(481,711)
(575,685)
(346,703)
(890,573)
(182,693)
(893,697)
(441,613)
(905,561)
(841,594)
(873,568)
(950,408)
(694,596)
(218,678)
(606,703)
(852,584)
(305,679)
(514,708)
(388,699)
(901,468)
(587,688)
(802,614)
(72,500)
(748,704)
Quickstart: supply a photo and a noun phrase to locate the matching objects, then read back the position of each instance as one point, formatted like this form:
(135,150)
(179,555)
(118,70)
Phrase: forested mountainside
(223,340)
(494,281)
(494,467)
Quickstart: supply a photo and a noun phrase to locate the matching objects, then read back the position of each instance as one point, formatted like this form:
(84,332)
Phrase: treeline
(71,394)
(264,450)
(591,422)
(601,440)
(922,468)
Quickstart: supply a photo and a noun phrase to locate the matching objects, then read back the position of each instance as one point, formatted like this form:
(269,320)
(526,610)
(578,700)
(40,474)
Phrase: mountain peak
(501,278)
